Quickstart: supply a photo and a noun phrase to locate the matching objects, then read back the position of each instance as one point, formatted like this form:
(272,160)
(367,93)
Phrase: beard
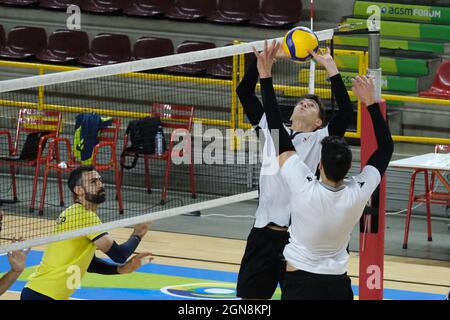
(96,198)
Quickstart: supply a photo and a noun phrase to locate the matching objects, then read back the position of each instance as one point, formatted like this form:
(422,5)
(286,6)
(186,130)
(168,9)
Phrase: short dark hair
(316,99)
(336,158)
(76,175)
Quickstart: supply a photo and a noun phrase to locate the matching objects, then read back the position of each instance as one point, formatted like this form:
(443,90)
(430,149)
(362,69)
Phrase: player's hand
(364,88)
(266,58)
(141,229)
(136,262)
(325,59)
(17,259)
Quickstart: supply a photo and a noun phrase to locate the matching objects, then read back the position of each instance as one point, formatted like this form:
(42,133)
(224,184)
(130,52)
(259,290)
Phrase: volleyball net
(212,158)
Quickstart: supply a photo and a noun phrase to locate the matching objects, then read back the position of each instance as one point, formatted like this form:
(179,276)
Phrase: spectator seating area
(67,46)
(268,13)
(413,37)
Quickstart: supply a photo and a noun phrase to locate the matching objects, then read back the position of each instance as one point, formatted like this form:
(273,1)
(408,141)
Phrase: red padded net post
(371,263)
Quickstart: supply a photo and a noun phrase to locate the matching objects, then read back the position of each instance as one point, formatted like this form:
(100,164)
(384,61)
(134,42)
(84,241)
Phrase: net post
(372,223)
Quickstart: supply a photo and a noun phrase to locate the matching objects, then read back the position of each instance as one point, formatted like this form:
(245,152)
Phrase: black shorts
(29,294)
(263,264)
(302,285)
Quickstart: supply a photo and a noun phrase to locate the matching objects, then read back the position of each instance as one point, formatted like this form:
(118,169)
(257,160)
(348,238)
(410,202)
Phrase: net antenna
(312,66)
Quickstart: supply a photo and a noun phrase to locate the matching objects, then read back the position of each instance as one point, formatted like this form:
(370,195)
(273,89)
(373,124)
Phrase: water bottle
(159,141)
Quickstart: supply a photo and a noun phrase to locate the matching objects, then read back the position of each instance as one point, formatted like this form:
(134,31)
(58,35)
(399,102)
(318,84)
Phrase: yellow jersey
(65,262)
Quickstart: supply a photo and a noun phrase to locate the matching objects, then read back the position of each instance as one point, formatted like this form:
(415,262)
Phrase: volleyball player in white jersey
(325,211)
(263,265)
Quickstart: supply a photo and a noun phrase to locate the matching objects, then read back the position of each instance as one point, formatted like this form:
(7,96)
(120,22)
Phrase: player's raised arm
(270,104)
(338,124)
(364,89)
(246,93)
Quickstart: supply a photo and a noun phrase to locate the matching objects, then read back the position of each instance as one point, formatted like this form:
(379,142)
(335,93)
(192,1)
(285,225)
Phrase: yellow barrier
(41,105)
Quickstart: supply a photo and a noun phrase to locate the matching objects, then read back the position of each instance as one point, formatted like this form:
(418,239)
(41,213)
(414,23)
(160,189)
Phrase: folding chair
(176,117)
(43,125)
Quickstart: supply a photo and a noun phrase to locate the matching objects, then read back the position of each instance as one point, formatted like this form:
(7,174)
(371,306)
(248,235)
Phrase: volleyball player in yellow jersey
(64,263)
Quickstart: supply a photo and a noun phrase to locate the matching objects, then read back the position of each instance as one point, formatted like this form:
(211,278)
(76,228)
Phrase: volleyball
(298,41)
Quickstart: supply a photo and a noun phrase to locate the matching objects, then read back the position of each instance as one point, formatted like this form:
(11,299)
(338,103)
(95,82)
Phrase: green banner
(394,66)
(405,12)
(407,30)
(424,46)
(388,82)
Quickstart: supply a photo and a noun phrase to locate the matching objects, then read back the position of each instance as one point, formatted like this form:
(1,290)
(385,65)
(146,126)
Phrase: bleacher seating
(58,4)
(233,11)
(189,9)
(267,13)
(64,46)
(102,6)
(18,2)
(146,8)
(148,47)
(107,49)
(411,43)
(24,42)
(277,13)
(195,68)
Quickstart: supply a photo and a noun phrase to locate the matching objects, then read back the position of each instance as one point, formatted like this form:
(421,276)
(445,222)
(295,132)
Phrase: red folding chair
(179,118)
(429,197)
(32,121)
(108,138)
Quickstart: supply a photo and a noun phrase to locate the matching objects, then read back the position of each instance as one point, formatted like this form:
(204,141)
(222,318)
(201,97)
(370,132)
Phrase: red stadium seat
(148,47)
(24,42)
(107,49)
(45,125)
(441,83)
(196,67)
(221,68)
(103,6)
(233,11)
(65,46)
(18,2)
(179,120)
(189,9)
(278,13)
(58,4)
(146,8)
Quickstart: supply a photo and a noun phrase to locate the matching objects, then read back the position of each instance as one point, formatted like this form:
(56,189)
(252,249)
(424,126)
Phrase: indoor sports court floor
(200,267)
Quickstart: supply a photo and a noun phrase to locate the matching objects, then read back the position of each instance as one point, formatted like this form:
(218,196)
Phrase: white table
(436,163)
